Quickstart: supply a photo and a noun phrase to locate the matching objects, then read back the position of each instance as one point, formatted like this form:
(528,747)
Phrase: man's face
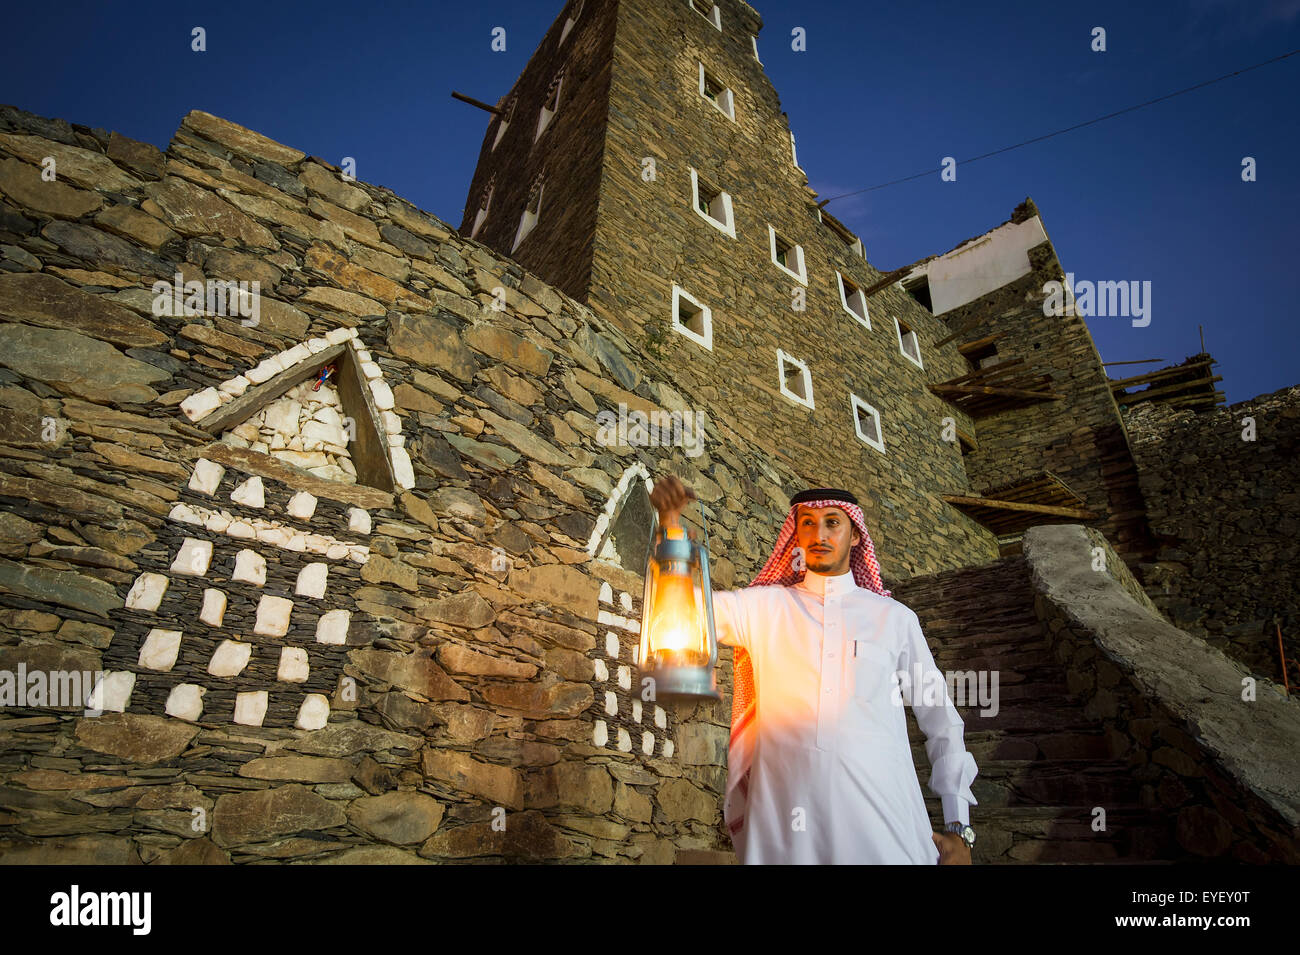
(827,536)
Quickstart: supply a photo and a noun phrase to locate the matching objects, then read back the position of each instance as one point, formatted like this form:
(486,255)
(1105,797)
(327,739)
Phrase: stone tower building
(642,163)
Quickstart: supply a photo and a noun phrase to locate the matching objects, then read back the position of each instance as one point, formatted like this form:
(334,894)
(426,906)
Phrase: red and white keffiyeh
(780,570)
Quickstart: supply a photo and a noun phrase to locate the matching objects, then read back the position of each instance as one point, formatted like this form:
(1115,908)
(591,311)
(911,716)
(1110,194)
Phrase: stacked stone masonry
(1223,497)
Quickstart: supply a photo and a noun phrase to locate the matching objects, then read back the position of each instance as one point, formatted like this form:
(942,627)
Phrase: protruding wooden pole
(473,102)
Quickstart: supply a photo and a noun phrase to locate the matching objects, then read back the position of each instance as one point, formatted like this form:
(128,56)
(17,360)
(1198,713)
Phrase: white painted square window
(551,106)
(796,381)
(484,204)
(572,19)
(712,205)
(866,422)
(908,343)
(503,121)
(787,256)
(711,89)
(854,300)
(692,318)
(532,211)
(707,10)
(755,39)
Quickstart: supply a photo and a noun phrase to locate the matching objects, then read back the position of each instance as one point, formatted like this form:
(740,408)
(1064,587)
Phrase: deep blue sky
(883,91)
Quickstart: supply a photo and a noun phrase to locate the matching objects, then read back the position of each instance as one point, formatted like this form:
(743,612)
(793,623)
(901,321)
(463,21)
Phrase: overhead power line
(1069,129)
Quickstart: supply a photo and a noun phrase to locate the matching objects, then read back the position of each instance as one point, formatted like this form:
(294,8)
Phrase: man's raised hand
(669,497)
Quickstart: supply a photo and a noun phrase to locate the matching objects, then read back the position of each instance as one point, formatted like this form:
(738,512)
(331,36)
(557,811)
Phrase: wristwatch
(966,832)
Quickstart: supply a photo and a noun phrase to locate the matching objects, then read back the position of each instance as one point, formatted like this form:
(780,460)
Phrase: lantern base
(683,685)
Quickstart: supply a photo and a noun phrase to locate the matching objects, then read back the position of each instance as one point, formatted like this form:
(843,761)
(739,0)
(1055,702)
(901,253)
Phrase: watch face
(968,834)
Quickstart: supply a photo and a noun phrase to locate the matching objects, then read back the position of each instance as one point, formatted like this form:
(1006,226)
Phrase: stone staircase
(1043,765)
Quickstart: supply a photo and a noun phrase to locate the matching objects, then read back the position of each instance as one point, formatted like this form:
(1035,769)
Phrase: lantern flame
(676,624)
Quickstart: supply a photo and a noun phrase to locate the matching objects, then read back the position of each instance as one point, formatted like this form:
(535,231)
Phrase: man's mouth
(819,550)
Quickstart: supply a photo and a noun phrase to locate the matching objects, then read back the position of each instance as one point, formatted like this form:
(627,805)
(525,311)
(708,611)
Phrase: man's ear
(856,539)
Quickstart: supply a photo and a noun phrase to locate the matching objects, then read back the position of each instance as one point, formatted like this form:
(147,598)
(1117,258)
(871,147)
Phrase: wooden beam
(247,404)
(1077,512)
(962,379)
(474,102)
(887,281)
(988,390)
(1004,370)
(1139,396)
(1156,375)
(980,343)
(1140,361)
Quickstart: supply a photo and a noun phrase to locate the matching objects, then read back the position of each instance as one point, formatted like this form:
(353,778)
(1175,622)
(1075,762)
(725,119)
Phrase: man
(819,765)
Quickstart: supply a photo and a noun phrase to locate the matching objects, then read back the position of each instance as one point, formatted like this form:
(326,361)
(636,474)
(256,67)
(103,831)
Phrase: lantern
(679,648)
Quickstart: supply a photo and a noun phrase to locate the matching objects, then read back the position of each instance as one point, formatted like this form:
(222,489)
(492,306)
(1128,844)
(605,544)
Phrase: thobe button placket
(831,674)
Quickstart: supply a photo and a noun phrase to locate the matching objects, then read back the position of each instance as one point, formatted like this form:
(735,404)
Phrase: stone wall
(1227,514)
(1081,437)
(1174,707)
(302,666)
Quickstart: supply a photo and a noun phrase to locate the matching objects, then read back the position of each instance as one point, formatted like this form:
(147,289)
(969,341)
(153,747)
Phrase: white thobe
(832,778)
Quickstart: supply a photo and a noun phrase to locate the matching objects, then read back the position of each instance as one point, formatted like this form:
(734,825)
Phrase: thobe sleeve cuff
(950,780)
(955,810)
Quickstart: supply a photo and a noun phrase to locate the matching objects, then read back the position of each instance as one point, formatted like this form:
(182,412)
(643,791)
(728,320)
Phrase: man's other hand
(952,849)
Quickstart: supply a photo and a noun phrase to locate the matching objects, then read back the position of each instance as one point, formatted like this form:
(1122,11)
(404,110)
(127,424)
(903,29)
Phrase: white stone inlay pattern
(214,607)
(293,665)
(279,535)
(250,568)
(332,627)
(273,616)
(314,712)
(311,581)
(250,708)
(358,520)
(147,592)
(207,475)
(113,693)
(337,465)
(186,701)
(160,649)
(302,505)
(250,493)
(624,673)
(230,658)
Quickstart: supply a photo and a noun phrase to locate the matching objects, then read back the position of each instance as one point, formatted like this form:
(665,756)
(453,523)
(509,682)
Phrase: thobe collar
(824,584)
